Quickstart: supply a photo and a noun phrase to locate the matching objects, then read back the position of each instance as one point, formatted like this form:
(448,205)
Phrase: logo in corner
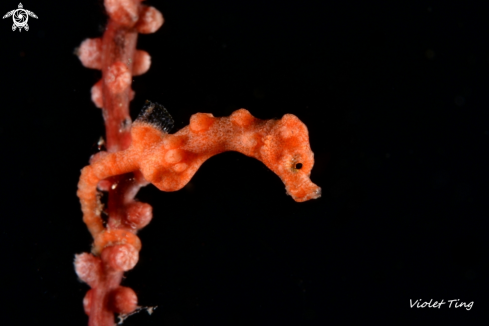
(20,17)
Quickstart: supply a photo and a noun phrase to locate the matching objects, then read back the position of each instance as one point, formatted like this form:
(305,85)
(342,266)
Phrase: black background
(395,96)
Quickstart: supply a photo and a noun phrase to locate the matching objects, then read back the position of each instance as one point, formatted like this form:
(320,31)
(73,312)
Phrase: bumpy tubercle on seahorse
(169,161)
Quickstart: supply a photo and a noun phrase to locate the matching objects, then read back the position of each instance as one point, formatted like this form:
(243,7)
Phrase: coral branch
(116,56)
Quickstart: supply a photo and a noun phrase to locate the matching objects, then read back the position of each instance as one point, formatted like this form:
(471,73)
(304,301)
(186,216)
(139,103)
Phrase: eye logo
(20,17)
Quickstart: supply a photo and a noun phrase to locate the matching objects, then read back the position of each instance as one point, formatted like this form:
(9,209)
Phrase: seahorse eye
(298,166)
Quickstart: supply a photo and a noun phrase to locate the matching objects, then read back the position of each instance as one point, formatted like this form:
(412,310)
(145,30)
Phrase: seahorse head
(286,151)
